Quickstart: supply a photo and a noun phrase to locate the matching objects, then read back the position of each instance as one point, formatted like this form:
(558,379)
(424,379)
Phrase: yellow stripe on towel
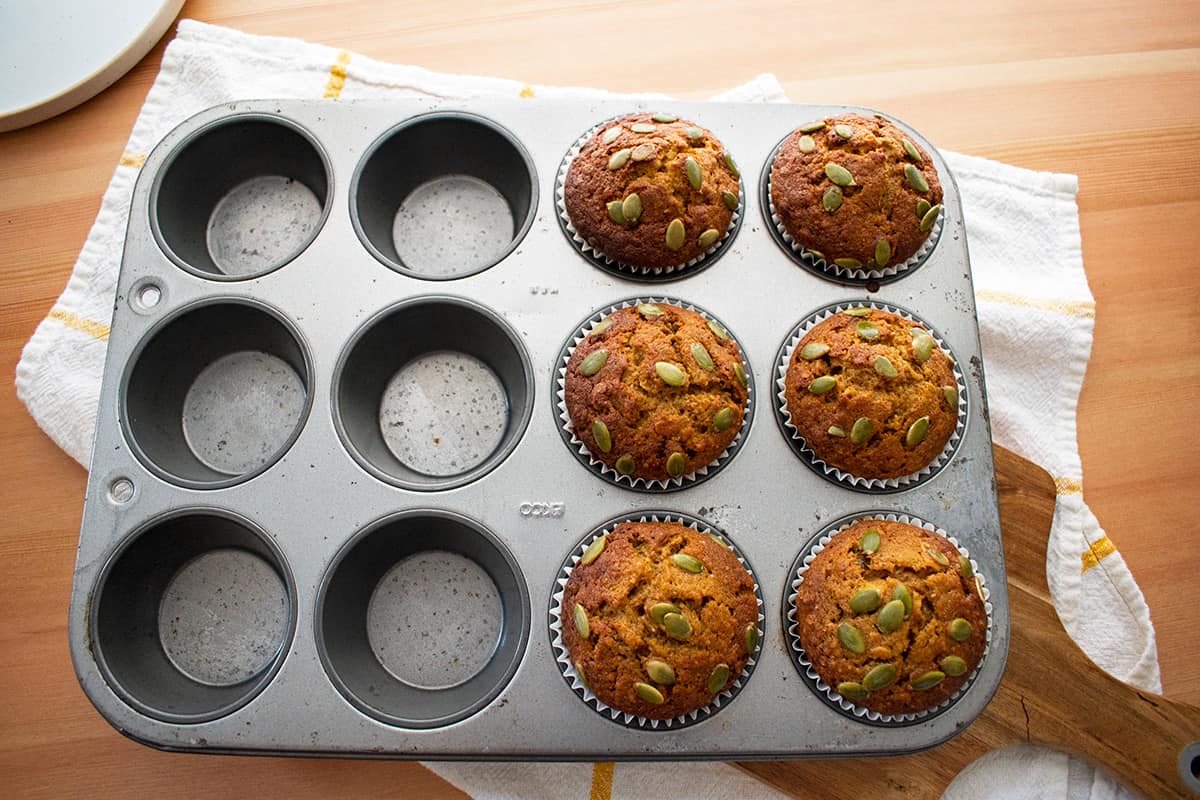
(134,160)
(97,330)
(337,76)
(1068,485)
(1096,550)
(1071,308)
(602,779)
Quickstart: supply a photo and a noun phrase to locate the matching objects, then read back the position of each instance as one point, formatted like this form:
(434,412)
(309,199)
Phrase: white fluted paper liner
(563,657)
(833,473)
(819,263)
(598,256)
(804,666)
(609,473)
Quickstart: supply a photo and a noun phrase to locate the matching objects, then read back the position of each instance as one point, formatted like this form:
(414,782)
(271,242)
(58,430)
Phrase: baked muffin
(856,191)
(658,618)
(656,391)
(891,617)
(652,191)
(872,393)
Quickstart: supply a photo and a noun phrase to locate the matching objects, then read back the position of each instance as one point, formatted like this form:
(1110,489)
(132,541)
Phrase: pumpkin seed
(750,637)
(677,626)
(923,206)
(883,366)
(916,432)
(951,395)
(857,311)
(676,464)
(930,217)
(832,199)
(581,621)
(723,420)
(812,127)
(611,135)
(939,557)
(902,594)
(602,436)
(851,690)
(730,199)
(619,158)
(688,563)
(692,167)
(660,672)
(625,465)
(593,363)
(670,374)
(739,372)
(582,677)
(660,610)
(643,152)
(649,310)
(954,666)
(718,678)
(663,117)
(816,253)
(822,384)
(915,179)
(839,174)
(616,214)
(702,357)
(928,680)
(923,345)
(718,331)
(844,131)
(890,617)
(883,252)
(675,234)
(850,638)
(813,350)
(834,430)
(879,677)
(733,168)
(642,127)
(593,550)
(866,600)
(648,693)
(866,330)
(912,150)
(631,207)
(964,566)
(695,133)
(719,540)
(861,430)
(848,263)
(806,144)
(601,326)
(870,541)
(708,238)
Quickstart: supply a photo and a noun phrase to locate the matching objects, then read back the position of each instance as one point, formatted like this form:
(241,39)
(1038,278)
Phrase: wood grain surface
(1107,90)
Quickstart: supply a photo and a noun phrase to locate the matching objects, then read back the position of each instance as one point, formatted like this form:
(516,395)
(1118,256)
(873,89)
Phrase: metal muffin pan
(286,548)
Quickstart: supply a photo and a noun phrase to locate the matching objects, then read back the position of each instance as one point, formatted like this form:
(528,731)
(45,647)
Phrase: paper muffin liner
(792,629)
(600,259)
(563,658)
(818,263)
(800,445)
(610,474)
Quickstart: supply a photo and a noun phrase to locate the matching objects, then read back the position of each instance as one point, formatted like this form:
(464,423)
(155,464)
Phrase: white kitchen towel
(1023,232)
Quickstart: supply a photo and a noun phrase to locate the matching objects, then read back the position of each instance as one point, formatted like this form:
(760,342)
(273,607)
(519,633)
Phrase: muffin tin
(330,496)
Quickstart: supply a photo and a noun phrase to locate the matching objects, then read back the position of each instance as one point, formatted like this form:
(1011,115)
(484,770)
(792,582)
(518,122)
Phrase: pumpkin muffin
(855,191)
(659,618)
(872,394)
(891,617)
(656,391)
(651,191)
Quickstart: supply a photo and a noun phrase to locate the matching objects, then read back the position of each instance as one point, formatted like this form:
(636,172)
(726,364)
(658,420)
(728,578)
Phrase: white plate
(55,54)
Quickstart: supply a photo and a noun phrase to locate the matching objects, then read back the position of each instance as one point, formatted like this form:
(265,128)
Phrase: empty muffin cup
(433,393)
(216,393)
(422,618)
(192,616)
(241,197)
(444,195)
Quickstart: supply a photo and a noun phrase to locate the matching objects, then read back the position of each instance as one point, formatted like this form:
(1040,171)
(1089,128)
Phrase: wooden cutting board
(1051,692)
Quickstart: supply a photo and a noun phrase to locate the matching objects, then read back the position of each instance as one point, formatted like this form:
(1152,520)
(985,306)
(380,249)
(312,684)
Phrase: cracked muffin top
(891,617)
(856,191)
(656,391)
(652,190)
(659,618)
(872,393)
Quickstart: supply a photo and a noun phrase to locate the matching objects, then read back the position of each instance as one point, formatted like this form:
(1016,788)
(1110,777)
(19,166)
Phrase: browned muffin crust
(864,389)
(619,161)
(943,594)
(625,646)
(847,224)
(656,430)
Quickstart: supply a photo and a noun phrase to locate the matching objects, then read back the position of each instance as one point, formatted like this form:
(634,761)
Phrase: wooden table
(1109,91)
